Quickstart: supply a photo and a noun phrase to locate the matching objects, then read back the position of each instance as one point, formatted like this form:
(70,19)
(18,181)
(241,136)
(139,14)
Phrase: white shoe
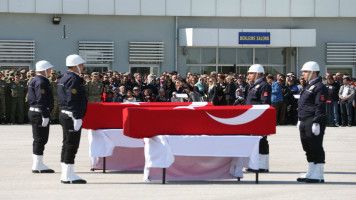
(68,176)
(307,175)
(38,166)
(318,174)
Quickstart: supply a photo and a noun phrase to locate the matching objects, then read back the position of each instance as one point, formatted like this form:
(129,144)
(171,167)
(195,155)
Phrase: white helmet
(74,60)
(43,65)
(311,66)
(256,68)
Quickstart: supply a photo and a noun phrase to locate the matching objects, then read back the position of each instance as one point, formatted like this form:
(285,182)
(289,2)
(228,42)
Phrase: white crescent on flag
(133,103)
(193,105)
(250,115)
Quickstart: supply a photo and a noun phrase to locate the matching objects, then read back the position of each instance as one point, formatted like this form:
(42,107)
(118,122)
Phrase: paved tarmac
(287,161)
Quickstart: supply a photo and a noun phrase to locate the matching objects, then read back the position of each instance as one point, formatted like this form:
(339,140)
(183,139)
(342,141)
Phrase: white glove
(45,122)
(316,129)
(298,124)
(77,124)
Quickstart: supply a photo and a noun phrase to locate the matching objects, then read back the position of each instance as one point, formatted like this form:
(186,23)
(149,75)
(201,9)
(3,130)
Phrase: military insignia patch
(74,91)
(311,87)
(43,91)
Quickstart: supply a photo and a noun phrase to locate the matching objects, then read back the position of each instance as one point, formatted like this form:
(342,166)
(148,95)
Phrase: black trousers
(264,146)
(312,145)
(40,134)
(71,139)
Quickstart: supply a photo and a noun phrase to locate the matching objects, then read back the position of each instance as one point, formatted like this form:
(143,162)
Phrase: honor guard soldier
(40,100)
(71,97)
(312,122)
(94,88)
(260,93)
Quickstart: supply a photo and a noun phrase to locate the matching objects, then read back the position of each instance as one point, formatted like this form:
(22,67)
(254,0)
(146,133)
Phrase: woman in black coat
(212,92)
(229,91)
(169,87)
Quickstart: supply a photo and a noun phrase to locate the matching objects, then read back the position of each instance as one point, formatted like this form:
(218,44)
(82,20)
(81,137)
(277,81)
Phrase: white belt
(35,109)
(66,112)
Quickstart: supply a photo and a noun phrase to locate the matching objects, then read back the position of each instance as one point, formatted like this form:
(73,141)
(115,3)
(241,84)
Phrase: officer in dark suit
(40,100)
(71,97)
(312,122)
(260,93)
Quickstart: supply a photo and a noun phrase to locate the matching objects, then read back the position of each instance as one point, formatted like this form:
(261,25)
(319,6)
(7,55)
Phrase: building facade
(182,35)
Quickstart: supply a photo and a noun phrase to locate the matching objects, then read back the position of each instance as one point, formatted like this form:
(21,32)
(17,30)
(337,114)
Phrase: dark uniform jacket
(259,93)
(71,95)
(40,95)
(312,102)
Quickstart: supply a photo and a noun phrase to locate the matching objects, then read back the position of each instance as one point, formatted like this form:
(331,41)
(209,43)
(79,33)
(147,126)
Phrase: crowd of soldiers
(13,95)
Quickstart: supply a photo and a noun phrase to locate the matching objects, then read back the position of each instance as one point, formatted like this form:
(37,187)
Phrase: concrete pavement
(287,161)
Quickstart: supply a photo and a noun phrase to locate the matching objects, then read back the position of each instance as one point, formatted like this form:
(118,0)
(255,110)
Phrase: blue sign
(254,38)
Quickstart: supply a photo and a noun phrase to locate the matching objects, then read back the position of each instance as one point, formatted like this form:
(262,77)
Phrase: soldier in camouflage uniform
(17,91)
(24,80)
(8,79)
(94,88)
(3,89)
(56,108)
(52,76)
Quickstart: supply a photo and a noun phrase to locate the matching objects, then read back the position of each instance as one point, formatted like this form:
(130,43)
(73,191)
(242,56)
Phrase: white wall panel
(102,7)
(153,7)
(253,8)
(203,7)
(4,6)
(49,6)
(302,8)
(22,6)
(303,37)
(229,37)
(277,8)
(228,8)
(347,8)
(279,37)
(125,7)
(75,6)
(326,8)
(205,37)
(178,7)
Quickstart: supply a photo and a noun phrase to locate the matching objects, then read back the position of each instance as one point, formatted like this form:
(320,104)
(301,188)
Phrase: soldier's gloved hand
(77,124)
(316,129)
(298,124)
(45,122)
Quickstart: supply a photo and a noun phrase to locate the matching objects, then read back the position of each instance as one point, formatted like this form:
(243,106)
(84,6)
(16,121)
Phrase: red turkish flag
(109,115)
(208,120)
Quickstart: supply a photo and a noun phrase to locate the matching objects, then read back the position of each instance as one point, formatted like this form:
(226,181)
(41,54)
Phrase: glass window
(275,70)
(227,56)
(244,56)
(242,69)
(342,70)
(193,56)
(261,56)
(208,55)
(275,56)
(194,70)
(226,69)
(208,69)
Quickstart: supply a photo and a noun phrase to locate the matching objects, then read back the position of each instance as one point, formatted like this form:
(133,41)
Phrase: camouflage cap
(7,71)
(16,73)
(28,73)
(53,71)
(23,71)
(32,71)
(95,74)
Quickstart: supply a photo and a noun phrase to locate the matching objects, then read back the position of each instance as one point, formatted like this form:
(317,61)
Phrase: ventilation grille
(17,50)
(96,52)
(341,52)
(146,52)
